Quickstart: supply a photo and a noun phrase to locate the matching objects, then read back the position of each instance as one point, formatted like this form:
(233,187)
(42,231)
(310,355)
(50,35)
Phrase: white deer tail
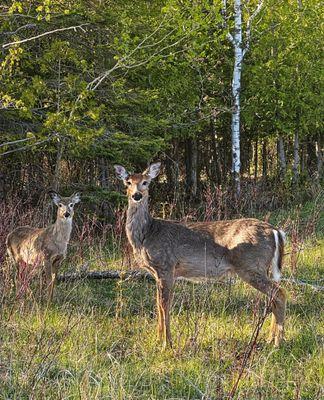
(279,237)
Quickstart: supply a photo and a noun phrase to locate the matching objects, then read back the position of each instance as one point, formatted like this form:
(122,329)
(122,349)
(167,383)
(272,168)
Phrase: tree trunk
(57,170)
(311,156)
(217,165)
(281,157)
(60,146)
(236,91)
(2,187)
(172,175)
(191,167)
(303,159)
(103,174)
(264,159)
(256,145)
(319,155)
(250,158)
(296,162)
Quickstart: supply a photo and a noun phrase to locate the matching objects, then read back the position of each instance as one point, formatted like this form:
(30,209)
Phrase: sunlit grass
(98,341)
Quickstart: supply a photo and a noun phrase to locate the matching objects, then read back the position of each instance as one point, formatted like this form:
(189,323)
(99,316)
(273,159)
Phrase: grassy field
(98,338)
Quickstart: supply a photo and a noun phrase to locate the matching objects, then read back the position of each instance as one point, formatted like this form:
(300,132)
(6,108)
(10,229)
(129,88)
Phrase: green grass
(98,341)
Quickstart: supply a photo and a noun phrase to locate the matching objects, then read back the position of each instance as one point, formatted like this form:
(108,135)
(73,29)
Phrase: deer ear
(153,170)
(54,196)
(121,172)
(76,198)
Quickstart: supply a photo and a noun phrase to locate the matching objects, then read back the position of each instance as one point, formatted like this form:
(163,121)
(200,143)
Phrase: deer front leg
(159,314)
(164,298)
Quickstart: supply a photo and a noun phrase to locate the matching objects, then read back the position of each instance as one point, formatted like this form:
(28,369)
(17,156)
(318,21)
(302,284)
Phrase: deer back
(32,245)
(251,242)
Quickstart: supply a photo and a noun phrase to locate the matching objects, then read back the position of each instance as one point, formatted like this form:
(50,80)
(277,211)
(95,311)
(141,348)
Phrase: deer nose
(137,196)
(66,215)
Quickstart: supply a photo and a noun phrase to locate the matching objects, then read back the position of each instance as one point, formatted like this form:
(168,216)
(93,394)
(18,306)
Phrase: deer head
(138,184)
(65,205)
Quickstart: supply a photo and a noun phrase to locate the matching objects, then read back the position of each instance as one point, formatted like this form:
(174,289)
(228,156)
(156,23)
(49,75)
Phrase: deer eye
(128,183)
(144,183)
(60,205)
(71,205)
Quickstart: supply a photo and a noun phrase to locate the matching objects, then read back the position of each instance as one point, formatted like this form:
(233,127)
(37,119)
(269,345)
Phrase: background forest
(227,94)
(86,84)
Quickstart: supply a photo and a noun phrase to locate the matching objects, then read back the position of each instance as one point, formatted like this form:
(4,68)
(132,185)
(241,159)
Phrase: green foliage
(134,78)
(284,71)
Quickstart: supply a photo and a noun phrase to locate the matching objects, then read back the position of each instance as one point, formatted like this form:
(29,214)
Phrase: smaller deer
(45,246)
(170,250)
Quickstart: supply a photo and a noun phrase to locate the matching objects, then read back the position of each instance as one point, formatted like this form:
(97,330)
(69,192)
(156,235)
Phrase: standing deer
(170,250)
(45,246)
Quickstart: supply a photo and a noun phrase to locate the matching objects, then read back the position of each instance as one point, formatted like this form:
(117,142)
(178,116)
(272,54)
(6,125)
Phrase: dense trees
(87,84)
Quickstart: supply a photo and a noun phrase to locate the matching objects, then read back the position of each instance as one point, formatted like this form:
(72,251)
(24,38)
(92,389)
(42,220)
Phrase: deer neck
(138,223)
(62,230)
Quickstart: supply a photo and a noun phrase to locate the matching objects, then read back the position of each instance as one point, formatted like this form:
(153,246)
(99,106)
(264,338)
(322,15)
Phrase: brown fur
(204,250)
(45,247)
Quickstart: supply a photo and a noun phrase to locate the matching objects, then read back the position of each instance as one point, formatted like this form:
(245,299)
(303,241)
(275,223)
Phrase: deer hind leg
(278,316)
(51,275)
(51,268)
(21,278)
(49,281)
(277,297)
(13,267)
(164,298)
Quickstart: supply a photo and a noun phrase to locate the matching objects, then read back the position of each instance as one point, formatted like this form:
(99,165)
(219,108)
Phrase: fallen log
(138,274)
(299,282)
(98,275)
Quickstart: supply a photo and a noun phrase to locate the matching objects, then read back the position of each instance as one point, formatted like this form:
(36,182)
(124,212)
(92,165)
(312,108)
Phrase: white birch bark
(236,90)
(239,52)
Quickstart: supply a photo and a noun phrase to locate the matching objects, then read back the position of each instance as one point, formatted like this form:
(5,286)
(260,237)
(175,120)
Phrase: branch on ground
(138,274)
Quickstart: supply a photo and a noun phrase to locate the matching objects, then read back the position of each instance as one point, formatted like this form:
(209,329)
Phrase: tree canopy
(97,83)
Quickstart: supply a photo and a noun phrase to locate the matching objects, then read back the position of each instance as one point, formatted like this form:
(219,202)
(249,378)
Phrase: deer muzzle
(137,196)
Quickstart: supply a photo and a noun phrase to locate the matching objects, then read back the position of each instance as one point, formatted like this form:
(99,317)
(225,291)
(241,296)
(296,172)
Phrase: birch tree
(240,50)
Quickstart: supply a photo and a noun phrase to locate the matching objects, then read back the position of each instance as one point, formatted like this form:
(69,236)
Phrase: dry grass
(98,339)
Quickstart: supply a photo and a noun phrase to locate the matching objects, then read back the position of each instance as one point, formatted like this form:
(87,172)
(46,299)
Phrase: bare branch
(10,15)
(230,38)
(42,35)
(159,41)
(140,45)
(16,141)
(122,63)
(155,54)
(249,25)
(97,81)
(26,147)
(27,26)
